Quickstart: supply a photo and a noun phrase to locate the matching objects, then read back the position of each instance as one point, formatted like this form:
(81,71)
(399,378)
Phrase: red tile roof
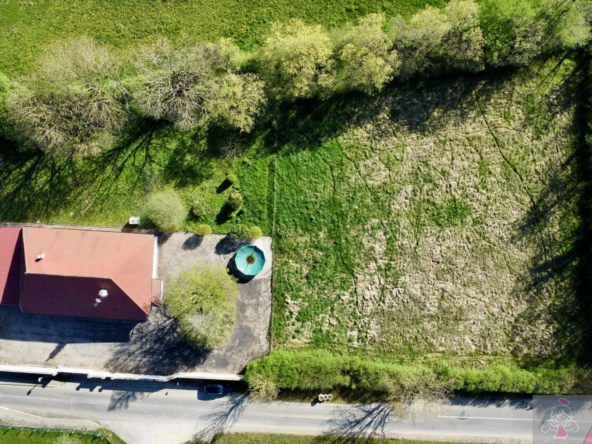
(10,258)
(77,264)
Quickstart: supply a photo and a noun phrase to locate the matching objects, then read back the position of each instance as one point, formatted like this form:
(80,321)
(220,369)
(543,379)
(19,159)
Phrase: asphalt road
(159,413)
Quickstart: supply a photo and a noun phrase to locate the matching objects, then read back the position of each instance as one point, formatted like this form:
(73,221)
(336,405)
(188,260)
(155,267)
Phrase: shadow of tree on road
(364,420)
(223,417)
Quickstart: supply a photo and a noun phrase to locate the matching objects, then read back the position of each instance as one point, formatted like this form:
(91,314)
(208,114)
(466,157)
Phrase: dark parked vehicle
(214,389)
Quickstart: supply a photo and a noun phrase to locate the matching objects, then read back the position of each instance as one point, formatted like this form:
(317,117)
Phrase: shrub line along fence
(46,430)
(54,371)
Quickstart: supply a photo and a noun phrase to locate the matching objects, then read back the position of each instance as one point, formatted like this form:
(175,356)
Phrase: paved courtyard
(154,346)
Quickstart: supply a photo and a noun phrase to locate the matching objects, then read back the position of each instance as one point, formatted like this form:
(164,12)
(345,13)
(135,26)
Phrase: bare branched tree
(75,104)
(413,394)
(176,83)
(193,84)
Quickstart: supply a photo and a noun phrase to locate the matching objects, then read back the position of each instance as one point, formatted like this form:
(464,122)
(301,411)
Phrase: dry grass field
(435,221)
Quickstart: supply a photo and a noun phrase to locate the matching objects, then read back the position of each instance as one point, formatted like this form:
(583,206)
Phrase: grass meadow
(434,222)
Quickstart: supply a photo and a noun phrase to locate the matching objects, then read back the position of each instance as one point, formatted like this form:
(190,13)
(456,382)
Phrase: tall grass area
(26,27)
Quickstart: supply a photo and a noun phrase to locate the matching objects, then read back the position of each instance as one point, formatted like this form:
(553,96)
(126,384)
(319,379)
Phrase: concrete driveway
(154,346)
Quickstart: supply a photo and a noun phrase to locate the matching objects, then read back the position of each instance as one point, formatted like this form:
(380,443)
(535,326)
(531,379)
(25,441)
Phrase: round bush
(255,233)
(203,300)
(203,230)
(239,231)
(231,179)
(166,210)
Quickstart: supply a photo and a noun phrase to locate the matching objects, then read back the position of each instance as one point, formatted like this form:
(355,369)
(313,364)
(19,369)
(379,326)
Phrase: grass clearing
(27,26)
(106,190)
(434,222)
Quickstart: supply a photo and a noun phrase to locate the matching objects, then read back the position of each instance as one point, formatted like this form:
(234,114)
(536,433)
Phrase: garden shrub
(239,231)
(203,230)
(203,300)
(166,210)
(255,233)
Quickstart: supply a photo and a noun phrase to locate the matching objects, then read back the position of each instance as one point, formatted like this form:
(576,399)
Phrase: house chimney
(40,256)
(103,293)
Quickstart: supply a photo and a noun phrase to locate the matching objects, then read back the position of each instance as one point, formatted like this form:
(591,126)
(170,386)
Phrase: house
(71,272)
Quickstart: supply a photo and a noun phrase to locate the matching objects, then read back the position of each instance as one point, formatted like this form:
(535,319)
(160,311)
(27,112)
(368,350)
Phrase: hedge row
(323,371)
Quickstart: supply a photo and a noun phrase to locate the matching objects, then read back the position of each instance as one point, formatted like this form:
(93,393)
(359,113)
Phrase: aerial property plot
(438,220)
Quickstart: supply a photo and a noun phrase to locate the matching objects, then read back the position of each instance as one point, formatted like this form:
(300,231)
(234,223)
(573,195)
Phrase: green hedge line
(323,371)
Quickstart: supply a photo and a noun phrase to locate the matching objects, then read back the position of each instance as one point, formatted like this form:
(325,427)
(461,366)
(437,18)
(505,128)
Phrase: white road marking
(485,417)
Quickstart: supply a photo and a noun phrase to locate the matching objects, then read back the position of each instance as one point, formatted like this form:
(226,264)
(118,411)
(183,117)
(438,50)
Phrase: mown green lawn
(27,26)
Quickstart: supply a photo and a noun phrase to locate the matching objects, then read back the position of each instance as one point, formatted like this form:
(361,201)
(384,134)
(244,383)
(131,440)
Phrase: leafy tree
(75,104)
(511,30)
(262,388)
(566,23)
(231,178)
(419,39)
(199,209)
(239,100)
(463,44)
(296,60)
(235,202)
(440,39)
(366,59)
(166,210)
(202,297)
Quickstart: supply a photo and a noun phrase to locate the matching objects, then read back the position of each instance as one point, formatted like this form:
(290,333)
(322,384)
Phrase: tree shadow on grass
(36,186)
(558,287)
(192,160)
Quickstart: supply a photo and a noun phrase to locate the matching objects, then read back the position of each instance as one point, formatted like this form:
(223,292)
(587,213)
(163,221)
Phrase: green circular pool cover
(250,260)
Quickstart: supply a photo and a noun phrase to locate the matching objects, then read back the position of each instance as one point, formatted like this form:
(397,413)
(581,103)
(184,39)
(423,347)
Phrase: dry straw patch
(444,261)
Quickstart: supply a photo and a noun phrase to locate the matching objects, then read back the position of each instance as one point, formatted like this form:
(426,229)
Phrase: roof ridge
(69,275)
